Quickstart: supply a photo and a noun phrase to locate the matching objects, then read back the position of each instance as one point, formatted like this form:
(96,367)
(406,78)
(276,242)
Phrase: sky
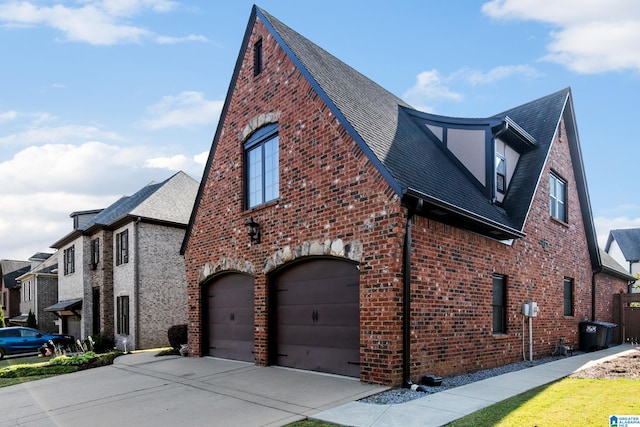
(100,98)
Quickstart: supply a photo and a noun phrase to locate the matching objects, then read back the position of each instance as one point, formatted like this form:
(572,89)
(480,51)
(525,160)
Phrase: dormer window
(501,173)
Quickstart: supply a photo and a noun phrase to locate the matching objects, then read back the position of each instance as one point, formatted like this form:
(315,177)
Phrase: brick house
(337,229)
(38,290)
(9,271)
(123,275)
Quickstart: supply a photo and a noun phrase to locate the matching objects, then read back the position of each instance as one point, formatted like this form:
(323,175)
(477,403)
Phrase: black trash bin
(595,335)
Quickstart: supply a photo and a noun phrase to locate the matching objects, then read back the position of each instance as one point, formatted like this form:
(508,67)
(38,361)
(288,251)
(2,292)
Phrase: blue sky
(99,98)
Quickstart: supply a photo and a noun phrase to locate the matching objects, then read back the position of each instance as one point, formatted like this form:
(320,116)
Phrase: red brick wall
(606,287)
(329,190)
(452,285)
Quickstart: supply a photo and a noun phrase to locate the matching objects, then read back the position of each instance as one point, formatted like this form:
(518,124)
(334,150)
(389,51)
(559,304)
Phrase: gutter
(137,282)
(406,297)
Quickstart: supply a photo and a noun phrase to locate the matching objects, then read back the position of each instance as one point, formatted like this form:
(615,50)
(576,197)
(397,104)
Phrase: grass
(568,402)
(22,369)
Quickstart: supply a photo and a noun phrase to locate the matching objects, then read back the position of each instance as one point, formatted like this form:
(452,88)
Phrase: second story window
(501,173)
(95,252)
(70,260)
(122,247)
(558,197)
(261,166)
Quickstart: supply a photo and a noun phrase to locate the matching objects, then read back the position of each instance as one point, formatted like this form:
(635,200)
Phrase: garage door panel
(333,360)
(324,291)
(318,317)
(341,314)
(230,317)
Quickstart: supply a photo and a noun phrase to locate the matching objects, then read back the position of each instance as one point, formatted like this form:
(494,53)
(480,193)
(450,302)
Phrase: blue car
(17,339)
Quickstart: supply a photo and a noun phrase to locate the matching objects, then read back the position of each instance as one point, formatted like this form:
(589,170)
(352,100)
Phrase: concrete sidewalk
(143,390)
(443,407)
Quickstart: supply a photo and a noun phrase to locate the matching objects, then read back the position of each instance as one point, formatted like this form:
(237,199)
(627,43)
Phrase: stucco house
(624,246)
(338,229)
(122,273)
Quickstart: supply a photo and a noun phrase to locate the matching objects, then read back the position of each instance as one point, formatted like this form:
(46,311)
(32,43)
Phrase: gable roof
(170,201)
(11,270)
(414,165)
(611,267)
(628,241)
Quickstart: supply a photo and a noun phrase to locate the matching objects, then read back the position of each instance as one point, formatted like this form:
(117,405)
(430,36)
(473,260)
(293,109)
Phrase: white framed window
(558,198)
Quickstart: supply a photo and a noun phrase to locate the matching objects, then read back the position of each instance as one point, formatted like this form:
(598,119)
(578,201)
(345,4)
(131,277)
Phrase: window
(558,192)
(123,315)
(261,166)
(499,304)
(95,252)
(568,297)
(122,247)
(501,173)
(70,260)
(257,57)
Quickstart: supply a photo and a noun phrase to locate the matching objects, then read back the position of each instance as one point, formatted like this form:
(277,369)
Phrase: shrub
(75,360)
(103,343)
(31,320)
(177,335)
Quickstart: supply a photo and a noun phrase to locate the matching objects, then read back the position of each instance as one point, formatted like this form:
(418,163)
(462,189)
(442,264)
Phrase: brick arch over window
(257,122)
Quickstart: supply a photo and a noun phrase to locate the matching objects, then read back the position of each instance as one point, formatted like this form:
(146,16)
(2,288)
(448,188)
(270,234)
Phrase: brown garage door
(318,317)
(230,317)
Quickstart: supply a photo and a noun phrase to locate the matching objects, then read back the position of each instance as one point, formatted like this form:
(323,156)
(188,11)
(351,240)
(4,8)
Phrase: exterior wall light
(253,229)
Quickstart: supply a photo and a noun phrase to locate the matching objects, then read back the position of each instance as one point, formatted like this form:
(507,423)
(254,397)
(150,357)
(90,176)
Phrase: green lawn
(568,402)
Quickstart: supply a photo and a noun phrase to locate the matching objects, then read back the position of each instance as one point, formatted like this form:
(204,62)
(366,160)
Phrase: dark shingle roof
(629,242)
(411,161)
(10,278)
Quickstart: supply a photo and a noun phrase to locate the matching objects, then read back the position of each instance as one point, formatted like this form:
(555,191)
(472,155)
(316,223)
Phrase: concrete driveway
(143,390)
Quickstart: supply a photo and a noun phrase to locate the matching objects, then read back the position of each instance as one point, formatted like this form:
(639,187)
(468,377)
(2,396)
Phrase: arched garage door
(318,317)
(229,312)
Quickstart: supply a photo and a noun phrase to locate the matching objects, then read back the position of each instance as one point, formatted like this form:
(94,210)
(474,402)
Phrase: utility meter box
(530,309)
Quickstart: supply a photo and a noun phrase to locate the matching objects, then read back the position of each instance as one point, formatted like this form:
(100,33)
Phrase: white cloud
(179,162)
(104,22)
(604,225)
(589,36)
(8,116)
(57,134)
(50,181)
(432,87)
(186,109)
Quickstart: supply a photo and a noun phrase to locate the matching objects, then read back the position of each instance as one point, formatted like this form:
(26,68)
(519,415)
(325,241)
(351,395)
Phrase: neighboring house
(9,271)
(123,273)
(337,229)
(624,246)
(38,290)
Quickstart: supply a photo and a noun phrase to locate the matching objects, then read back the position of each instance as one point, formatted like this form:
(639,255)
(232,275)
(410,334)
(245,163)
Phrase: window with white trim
(558,198)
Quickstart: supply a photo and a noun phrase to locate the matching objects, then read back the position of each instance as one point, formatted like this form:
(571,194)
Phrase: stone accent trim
(225,264)
(337,248)
(351,250)
(259,121)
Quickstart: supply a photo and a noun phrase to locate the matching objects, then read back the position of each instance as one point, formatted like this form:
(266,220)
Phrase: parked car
(18,339)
